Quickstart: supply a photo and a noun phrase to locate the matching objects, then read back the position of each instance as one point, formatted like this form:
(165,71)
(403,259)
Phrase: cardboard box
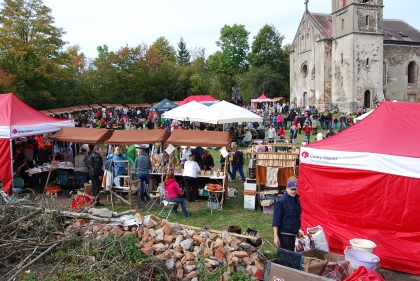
(268,209)
(88,188)
(290,274)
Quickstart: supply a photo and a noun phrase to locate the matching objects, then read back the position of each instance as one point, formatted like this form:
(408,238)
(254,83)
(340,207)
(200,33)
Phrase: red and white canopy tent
(365,183)
(260,99)
(204,99)
(18,119)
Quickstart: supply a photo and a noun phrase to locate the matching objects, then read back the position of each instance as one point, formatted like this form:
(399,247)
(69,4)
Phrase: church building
(353,57)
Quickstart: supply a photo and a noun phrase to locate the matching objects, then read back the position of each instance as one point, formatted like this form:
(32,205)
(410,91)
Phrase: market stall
(203,139)
(183,112)
(164,105)
(203,99)
(261,99)
(225,112)
(126,137)
(18,119)
(73,135)
(364,183)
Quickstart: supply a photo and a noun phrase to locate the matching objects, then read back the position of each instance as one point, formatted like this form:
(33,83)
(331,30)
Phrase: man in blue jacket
(286,219)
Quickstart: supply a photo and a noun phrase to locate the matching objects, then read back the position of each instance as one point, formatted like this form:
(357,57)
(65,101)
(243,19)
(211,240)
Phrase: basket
(313,265)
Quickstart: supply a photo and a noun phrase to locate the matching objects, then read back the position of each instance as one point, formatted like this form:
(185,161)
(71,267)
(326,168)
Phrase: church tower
(357,53)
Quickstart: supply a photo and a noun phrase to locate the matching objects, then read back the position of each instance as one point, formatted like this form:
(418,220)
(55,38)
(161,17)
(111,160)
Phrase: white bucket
(362,245)
(360,258)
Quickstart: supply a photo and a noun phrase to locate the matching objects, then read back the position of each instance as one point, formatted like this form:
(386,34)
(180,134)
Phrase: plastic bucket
(360,258)
(362,245)
(235,229)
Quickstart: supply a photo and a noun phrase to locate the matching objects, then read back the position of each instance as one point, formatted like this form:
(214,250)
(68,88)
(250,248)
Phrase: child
(335,121)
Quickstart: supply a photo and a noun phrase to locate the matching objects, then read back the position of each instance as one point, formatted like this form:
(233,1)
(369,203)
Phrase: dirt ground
(388,275)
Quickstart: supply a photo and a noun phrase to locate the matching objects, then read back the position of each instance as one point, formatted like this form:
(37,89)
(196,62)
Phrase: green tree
(183,55)
(31,51)
(232,57)
(260,80)
(267,49)
(165,51)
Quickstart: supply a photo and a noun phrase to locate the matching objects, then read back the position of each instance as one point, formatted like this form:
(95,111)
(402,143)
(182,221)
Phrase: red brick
(178,255)
(219,255)
(178,265)
(198,238)
(259,265)
(221,249)
(189,256)
(146,233)
(117,231)
(208,252)
(192,274)
(190,262)
(248,261)
(147,251)
(168,239)
(140,232)
(179,273)
(167,230)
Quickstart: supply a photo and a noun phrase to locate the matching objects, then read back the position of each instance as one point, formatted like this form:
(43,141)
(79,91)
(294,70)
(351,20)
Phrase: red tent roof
(388,130)
(14,112)
(262,98)
(198,98)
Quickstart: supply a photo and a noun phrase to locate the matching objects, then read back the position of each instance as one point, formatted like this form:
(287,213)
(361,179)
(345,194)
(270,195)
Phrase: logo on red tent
(305,154)
(14,131)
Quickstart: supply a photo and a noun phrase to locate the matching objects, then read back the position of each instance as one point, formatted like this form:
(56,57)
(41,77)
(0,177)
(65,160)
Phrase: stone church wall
(397,59)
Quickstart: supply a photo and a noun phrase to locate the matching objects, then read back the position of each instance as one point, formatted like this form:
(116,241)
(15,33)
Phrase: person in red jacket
(173,193)
(307,129)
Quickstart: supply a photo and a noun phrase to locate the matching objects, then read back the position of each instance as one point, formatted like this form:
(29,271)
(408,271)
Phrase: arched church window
(367,63)
(304,69)
(412,72)
(342,24)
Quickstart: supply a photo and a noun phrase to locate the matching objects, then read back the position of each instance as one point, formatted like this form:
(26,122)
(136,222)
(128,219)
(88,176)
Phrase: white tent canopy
(185,111)
(225,112)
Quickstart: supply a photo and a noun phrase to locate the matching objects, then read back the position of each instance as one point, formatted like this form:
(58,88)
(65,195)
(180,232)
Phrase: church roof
(394,30)
(398,30)
(324,21)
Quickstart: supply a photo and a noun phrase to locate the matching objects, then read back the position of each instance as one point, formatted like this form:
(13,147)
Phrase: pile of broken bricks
(181,247)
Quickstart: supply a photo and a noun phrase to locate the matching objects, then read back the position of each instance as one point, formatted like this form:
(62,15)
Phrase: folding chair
(165,203)
(154,198)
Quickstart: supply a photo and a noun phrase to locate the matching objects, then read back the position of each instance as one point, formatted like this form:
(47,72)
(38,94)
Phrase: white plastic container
(360,258)
(362,245)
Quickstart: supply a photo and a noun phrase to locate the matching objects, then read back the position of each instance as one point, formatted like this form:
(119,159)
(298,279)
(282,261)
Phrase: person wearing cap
(286,218)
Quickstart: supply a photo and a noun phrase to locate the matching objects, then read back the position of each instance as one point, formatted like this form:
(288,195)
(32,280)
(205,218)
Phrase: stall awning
(46,112)
(199,138)
(60,110)
(85,107)
(95,105)
(138,136)
(82,135)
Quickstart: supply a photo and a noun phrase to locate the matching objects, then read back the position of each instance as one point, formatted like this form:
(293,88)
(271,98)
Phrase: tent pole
(11,164)
(49,173)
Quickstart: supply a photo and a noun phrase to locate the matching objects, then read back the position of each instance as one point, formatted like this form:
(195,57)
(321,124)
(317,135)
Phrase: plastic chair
(155,198)
(165,203)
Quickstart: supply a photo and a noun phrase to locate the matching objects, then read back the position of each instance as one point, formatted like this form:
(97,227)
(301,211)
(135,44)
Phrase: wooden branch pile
(26,235)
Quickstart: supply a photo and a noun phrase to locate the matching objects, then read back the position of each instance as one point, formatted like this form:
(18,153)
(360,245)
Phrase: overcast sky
(91,23)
